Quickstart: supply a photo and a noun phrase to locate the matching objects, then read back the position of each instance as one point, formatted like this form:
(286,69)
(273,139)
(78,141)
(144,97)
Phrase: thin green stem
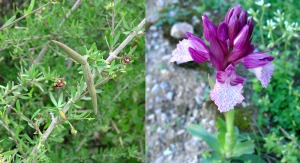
(24,16)
(229,117)
(261,26)
(230,137)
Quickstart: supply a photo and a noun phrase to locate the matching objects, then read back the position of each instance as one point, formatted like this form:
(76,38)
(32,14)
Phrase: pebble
(198,99)
(211,122)
(179,132)
(159,130)
(178,30)
(167,152)
(158,99)
(166,57)
(151,117)
(155,34)
(170,96)
(157,111)
(153,28)
(164,86)
(163,117)
(155,89)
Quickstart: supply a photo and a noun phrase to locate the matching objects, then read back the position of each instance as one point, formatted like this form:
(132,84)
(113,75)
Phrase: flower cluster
(229,45)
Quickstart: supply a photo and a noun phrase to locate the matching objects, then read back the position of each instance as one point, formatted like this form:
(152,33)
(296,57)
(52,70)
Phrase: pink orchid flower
(229,45)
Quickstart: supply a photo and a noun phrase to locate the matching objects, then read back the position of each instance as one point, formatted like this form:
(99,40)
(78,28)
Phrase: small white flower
(267,5)
(260,2)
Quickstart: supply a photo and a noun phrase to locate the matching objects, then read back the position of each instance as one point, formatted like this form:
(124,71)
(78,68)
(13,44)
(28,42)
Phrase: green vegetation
(46,111)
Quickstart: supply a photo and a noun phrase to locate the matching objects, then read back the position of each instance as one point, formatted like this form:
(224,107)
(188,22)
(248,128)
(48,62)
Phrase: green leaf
(213,158)
(116,39)
(52,99)
(7,23)
(210,82)
(221,126)
(242,148)
(132,50)
(125,25)
(82,115)
(8,153)
(35,113)
(211,140)
(117,26)
(60,100)
(28,139)
(30,7)
(249,157)
(18,105)
(112,65)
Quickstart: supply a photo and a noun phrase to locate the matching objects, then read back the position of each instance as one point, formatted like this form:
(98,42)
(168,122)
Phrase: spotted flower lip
(229,45)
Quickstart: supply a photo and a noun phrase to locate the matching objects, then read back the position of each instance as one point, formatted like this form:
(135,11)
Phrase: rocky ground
(175,99)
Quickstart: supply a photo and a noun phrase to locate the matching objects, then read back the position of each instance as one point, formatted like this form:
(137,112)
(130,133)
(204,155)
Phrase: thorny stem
(2,122)
(28,120)
(111,57)
(118,131)
(127,85)
(75,6)
(54,121)
(115,53)
(24,16)
(113,24)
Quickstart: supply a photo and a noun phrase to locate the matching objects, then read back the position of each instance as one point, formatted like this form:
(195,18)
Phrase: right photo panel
(222,81)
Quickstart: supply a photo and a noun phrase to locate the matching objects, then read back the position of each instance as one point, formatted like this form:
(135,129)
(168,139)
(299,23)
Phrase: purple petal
(237,10)
(250,23)
(216,55)
(239,53)
(226,96)
(198,56)
(228,15)
(241,38)
(233,29)
(264,74)
(243,18)
(181,53)
(210,29)
(197,43)
(258,59)
(229,75)
(222,31)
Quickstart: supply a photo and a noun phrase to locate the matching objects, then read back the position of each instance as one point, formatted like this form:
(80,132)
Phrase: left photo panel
(72,81)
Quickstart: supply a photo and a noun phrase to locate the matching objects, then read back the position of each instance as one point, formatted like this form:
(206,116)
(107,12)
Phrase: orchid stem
(230,137)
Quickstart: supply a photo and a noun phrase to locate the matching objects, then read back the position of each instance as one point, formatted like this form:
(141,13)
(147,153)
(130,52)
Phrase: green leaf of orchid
(210,82)
(242,148)
(211,140)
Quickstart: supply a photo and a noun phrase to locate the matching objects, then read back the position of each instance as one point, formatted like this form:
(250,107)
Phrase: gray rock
(158,99)
(164,85)
(167,152)
(170,96)
(155,89)
(153,28)
(155,34)
(178,30)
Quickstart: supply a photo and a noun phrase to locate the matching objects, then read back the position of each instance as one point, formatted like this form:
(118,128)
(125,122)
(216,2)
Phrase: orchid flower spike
(229,45)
